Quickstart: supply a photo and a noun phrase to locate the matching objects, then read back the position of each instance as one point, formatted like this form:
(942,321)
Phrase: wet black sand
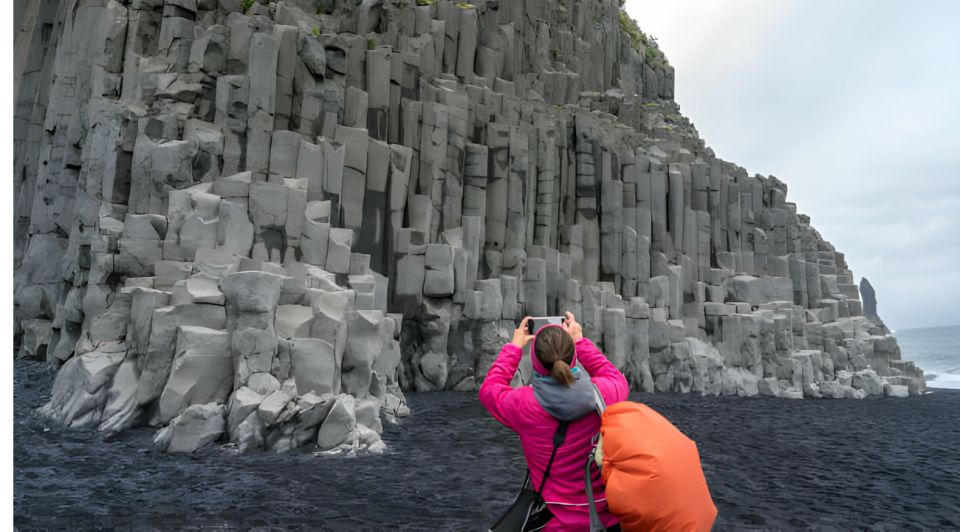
(771,464)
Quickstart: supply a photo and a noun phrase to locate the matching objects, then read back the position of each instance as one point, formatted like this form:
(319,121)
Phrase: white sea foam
(936,350)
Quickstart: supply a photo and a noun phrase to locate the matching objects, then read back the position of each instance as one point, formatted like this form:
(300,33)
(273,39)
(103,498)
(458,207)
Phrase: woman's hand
(572,327)
(521,336)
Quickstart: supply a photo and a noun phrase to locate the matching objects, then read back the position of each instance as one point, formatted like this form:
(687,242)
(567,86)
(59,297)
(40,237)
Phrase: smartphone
(535,324)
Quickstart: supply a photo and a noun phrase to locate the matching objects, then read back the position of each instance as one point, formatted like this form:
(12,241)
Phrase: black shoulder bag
(529,511)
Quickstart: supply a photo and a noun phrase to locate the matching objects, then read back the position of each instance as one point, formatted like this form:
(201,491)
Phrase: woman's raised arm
(495,392)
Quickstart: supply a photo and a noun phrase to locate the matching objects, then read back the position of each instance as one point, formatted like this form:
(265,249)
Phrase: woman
(560,390)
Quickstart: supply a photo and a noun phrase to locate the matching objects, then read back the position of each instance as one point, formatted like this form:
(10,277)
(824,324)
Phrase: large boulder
(312,410)
(273,407)
(896,390)
(159,357)
(196,427)
(867,381)
(36,337)
(249,434)
(347,428)
(243,402)
(368,414)
(121,410)
(202,371)
(769,386)
(339,425)
(82,387)
(837,390)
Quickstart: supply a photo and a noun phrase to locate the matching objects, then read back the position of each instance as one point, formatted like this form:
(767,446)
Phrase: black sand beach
(771,464)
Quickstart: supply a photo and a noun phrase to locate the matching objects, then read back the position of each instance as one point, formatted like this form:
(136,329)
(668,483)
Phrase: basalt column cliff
(263,221)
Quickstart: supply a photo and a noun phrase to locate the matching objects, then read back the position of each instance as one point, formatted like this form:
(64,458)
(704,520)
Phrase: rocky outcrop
(870,303)
(261,221)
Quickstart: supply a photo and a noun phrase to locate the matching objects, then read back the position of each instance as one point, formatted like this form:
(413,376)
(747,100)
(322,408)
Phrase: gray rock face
(265,211)
(759,290)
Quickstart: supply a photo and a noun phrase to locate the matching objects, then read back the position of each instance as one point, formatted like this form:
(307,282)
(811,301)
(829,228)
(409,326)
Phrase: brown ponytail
(561,373)
(554,348)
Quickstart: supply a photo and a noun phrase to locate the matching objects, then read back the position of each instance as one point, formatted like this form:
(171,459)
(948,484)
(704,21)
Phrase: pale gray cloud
(854,105)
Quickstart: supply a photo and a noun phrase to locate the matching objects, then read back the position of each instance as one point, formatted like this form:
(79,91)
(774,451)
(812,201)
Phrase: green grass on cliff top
(641,42)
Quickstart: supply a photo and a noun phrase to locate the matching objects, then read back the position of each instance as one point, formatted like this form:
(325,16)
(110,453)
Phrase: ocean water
(936,350)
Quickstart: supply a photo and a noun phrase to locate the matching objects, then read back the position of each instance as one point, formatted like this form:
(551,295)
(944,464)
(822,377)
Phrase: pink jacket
(519,410)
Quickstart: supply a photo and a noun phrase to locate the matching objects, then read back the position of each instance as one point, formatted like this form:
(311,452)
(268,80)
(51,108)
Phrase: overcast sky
(856,106)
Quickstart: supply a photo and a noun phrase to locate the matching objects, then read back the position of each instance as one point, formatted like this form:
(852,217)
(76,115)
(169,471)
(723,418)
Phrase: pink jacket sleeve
(495,392)
(608,379)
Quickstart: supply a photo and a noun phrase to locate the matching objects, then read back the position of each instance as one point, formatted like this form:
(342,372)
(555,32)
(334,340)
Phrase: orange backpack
(651,472)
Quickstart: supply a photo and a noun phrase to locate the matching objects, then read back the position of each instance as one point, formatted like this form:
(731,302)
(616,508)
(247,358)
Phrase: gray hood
(566,403)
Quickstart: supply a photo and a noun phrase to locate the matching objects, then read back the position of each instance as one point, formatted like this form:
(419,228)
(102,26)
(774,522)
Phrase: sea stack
(263,222)
(869,296)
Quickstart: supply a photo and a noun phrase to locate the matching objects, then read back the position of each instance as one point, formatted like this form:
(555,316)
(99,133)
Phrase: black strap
(558,437)
(595,522)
